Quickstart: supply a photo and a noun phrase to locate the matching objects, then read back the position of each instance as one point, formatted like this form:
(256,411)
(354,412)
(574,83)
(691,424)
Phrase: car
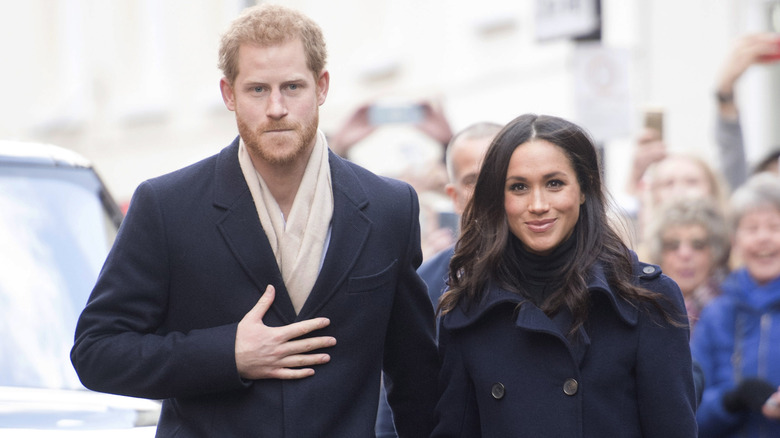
(57,224)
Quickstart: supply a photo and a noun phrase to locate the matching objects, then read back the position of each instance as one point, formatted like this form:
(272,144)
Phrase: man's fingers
(306,345)
(304,360)
(291,366)
(263,304)
(291,374)
(298,329)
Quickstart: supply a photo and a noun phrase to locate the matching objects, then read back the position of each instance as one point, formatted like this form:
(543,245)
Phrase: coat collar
(350,229)
(461,317)
(241,228)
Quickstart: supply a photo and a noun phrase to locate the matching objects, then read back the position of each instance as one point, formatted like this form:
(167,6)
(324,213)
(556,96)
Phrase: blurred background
(133,84)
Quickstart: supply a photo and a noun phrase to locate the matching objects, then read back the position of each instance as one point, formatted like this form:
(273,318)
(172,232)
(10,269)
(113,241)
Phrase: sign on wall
(566,18)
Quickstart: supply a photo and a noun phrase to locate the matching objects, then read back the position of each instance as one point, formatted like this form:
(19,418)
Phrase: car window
(54,236)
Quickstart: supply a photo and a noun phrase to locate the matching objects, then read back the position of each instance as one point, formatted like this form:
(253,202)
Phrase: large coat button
(497,391)
(648,270)
(570,387)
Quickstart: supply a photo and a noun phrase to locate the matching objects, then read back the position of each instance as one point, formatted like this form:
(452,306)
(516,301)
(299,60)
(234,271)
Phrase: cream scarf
(300,242)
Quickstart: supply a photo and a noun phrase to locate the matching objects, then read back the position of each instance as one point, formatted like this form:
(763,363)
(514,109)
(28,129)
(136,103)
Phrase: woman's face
(679,177)
(686,256)
(542,196)
(757,242)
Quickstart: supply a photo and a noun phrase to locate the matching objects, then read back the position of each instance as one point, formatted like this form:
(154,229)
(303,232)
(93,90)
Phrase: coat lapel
(349,231)
(241,229)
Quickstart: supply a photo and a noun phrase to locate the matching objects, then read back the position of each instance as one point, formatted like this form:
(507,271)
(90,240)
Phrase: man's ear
(227,94)
(323,82)
(458,203)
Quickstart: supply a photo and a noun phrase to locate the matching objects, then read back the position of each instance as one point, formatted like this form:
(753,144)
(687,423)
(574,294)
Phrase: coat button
(648,269)
(497,391)
(570,387)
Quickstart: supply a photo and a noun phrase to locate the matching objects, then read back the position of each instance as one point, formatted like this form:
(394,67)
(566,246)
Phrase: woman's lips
(540,226)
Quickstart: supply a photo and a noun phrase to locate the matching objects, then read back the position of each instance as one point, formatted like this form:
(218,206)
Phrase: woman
(659,176)
(737,338)
(689,239)
(552,327)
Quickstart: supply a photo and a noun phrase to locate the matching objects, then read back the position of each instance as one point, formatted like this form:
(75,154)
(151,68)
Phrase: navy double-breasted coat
(191,259)
(510,372)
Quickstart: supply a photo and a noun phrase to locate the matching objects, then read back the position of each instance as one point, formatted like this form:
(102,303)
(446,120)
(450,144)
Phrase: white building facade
(133,84)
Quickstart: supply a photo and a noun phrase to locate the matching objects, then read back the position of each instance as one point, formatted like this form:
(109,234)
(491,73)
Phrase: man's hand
(264,352)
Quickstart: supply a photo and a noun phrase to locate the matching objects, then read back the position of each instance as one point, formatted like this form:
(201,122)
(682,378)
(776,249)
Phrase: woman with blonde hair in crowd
(659,176)
(689,239)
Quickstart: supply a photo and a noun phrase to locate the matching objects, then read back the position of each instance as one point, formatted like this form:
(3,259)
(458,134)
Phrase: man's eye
(293,86)
(258,89)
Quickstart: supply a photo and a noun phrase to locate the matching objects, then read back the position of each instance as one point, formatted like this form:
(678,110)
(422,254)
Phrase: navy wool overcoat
(512,372)
(191,259)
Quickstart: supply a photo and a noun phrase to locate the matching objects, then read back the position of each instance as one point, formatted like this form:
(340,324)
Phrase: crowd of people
(716,233)
(280,289)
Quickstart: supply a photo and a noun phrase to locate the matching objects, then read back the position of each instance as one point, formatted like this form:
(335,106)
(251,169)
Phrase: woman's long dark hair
(482,254)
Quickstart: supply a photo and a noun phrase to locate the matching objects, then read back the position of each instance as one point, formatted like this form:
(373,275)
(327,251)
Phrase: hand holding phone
(774,55)
(385,113)
(654,119)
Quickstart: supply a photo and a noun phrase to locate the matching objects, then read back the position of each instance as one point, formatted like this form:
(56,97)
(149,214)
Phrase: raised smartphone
(381,114)
(654,119)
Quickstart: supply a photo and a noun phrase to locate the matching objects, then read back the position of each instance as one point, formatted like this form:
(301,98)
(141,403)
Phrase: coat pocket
(369,283)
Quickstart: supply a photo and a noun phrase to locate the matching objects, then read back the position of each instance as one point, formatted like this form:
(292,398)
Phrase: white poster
(602,98)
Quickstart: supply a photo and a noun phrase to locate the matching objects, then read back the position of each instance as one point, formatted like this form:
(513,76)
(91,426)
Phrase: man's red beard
(278,151)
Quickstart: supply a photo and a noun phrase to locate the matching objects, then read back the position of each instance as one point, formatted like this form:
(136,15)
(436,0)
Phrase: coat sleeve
(411,364)
(456,412)
(664,371)
(710,348)
(118,346)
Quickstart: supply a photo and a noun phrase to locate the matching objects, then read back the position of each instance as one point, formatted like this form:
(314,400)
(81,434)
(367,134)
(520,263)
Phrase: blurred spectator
(737,338)
(684,176)
(748,50)
(656,174)
(675,176)
(429,119)
(427,175)
(463,158)
(770,163)
(689,239)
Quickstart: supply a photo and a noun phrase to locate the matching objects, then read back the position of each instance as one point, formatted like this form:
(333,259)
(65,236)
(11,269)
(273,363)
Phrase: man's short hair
(265,25)
(475,131)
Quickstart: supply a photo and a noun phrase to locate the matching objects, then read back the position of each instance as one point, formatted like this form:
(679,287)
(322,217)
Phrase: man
(463,158)
(262,291)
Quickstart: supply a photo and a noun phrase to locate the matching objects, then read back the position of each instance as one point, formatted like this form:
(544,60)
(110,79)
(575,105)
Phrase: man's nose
(277,107)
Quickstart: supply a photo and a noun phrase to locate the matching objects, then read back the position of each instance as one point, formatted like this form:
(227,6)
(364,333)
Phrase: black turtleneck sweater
(541,275)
